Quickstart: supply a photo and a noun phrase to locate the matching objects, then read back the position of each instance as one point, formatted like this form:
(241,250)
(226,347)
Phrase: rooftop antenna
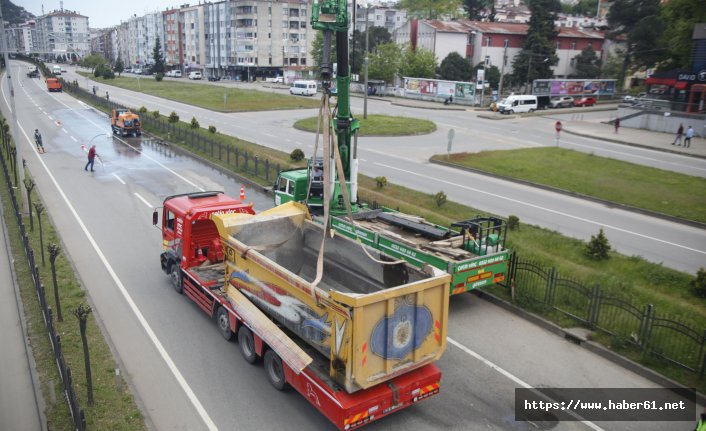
(61,5)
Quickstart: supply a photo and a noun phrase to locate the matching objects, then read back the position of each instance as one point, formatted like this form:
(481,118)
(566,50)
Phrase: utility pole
(365,84)
(502,71)
(15,125)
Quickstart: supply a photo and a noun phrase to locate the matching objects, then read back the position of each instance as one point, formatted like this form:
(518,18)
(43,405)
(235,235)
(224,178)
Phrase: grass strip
(114,407)
(214,97)
(380,125)
(644,187)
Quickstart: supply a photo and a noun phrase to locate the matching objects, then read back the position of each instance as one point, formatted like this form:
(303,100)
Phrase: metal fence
(196,141)
(77,414)
(638,325)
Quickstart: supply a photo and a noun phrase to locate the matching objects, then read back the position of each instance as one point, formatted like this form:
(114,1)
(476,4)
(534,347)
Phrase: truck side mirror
(155,218)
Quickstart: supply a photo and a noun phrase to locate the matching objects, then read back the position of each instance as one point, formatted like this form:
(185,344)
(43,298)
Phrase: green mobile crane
(472,251)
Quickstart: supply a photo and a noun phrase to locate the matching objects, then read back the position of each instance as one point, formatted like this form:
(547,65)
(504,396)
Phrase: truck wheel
(274,370)
(224,323)
(247,345)
(175,275)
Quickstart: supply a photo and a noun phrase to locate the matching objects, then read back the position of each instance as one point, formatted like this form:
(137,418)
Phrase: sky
(102,13)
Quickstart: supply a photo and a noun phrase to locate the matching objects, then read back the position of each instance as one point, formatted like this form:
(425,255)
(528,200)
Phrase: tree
(158,58)
(419,64)
(119,65)
(455,68)
(538,51)
(92,61)
(588,65)
(377,36)
(53,253)
(680,16)
(81,312)
(384,63)
(430,9)
(598,247)
(611,67)
(477,9)
(637,21)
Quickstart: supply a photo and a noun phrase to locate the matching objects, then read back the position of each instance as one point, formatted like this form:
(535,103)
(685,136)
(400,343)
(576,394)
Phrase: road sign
(557,126)
(452,133)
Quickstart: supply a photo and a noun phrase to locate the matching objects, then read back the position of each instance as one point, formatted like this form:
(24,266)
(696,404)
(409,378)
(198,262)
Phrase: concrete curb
(595,348)
(674,219)
(632,144)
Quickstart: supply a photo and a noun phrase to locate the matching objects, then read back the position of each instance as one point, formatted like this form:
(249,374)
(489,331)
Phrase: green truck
(472,251)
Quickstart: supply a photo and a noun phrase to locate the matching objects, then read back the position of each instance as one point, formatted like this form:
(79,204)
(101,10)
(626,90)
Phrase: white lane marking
(271,136)
(119,179)
(64,130)
(510,376)
(143,322)
(144,201)
(50,117)
(549,210)
(75,140)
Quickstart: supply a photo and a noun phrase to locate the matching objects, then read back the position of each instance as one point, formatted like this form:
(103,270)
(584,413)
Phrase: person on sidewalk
(680,132)
(617,124)
(38,141)
(689,135)
(701,424)
(91,158)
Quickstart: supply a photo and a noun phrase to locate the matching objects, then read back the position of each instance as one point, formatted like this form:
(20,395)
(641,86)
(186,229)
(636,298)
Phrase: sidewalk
(19,408)
(635,137)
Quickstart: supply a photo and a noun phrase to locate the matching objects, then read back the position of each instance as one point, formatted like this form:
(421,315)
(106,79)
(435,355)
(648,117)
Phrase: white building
(62,32)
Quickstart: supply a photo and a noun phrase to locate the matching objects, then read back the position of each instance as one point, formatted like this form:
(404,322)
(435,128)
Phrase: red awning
(661,81)
(681,85)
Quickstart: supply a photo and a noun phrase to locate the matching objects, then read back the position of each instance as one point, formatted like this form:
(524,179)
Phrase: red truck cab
(189,236)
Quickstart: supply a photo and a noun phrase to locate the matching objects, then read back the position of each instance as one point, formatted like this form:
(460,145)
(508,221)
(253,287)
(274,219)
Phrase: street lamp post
(365,63)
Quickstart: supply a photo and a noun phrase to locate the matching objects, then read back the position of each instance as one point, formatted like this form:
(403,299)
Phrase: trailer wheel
(274,370)
(224,323)
(175,275)
(247,345)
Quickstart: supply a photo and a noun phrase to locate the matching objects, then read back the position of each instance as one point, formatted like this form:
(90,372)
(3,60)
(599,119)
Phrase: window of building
(506,43)
(573,44)
(558,46)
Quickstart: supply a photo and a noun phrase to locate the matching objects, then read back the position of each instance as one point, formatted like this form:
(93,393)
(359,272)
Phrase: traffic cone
(242,192)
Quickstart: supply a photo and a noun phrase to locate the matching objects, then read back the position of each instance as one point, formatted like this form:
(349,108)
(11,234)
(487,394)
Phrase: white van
(519,103)
(194,75)
(303,88)
(56,70)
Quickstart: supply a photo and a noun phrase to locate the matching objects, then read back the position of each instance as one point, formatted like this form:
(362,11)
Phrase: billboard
(573,87)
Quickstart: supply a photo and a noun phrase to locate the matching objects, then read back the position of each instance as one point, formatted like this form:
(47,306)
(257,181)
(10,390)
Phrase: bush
(212,129)
(699,283)
(98,71)
(598,247)
(155,114)
(297,155)
(142,109)
(108,74)
(158,77)
(513,222)
(380,182)
(173,117)
(440,199)
(195,123)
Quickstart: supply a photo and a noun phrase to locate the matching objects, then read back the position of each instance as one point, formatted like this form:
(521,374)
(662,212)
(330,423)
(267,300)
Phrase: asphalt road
(404,160)
(183,374)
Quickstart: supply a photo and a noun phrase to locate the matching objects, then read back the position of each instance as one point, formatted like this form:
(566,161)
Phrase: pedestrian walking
(680,133)
(91,158)
(689,135)
(107,96)
(94,90)
(617,124)
(701,424)
(38,141)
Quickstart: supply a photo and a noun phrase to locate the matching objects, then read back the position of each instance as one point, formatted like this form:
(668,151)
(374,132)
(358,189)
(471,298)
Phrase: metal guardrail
(6,154)
(638,325)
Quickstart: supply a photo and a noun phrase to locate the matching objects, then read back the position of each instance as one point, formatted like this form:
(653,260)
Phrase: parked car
(586,101)
(214,78)
(195,75)
(562,102)
(176,73)
(629,99)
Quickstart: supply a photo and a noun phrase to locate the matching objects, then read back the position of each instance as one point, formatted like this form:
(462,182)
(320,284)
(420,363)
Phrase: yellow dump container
(372,321)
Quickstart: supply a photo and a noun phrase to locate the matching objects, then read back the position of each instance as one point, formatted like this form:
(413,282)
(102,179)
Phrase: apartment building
(62,32)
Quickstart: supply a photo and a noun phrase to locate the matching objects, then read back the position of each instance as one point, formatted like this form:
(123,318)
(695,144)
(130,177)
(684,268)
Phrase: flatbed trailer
(199,260)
